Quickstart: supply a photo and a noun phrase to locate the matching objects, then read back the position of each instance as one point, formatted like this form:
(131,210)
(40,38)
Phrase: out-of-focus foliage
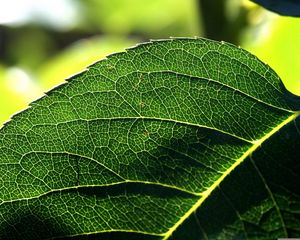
(37,54)
(43,42)
(78,57)
(275,40)
(151,19)
(17,88)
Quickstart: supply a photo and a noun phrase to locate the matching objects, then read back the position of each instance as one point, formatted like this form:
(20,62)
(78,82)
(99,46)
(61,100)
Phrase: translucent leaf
(173,138)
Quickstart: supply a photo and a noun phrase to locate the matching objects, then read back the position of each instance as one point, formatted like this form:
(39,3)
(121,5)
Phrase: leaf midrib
(207,193)
(203,195)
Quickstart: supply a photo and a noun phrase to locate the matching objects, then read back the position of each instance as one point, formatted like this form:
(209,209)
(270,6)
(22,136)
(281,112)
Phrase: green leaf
(173,138)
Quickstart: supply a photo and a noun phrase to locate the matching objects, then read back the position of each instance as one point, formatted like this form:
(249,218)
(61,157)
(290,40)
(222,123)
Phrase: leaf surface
(142,145)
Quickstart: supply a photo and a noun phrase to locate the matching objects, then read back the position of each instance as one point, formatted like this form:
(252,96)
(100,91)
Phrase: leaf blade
(177,115)
(269,210)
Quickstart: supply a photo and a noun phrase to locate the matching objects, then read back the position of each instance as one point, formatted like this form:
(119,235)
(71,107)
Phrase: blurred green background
(44,42)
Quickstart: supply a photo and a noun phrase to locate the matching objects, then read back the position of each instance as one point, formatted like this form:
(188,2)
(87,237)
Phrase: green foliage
(278,47)
(171,139)
(151,19)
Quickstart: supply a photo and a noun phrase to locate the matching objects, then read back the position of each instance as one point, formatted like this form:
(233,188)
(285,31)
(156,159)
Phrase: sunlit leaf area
(44,42)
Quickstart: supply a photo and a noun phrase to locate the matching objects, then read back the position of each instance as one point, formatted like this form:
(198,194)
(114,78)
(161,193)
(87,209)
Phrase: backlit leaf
(173,139)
